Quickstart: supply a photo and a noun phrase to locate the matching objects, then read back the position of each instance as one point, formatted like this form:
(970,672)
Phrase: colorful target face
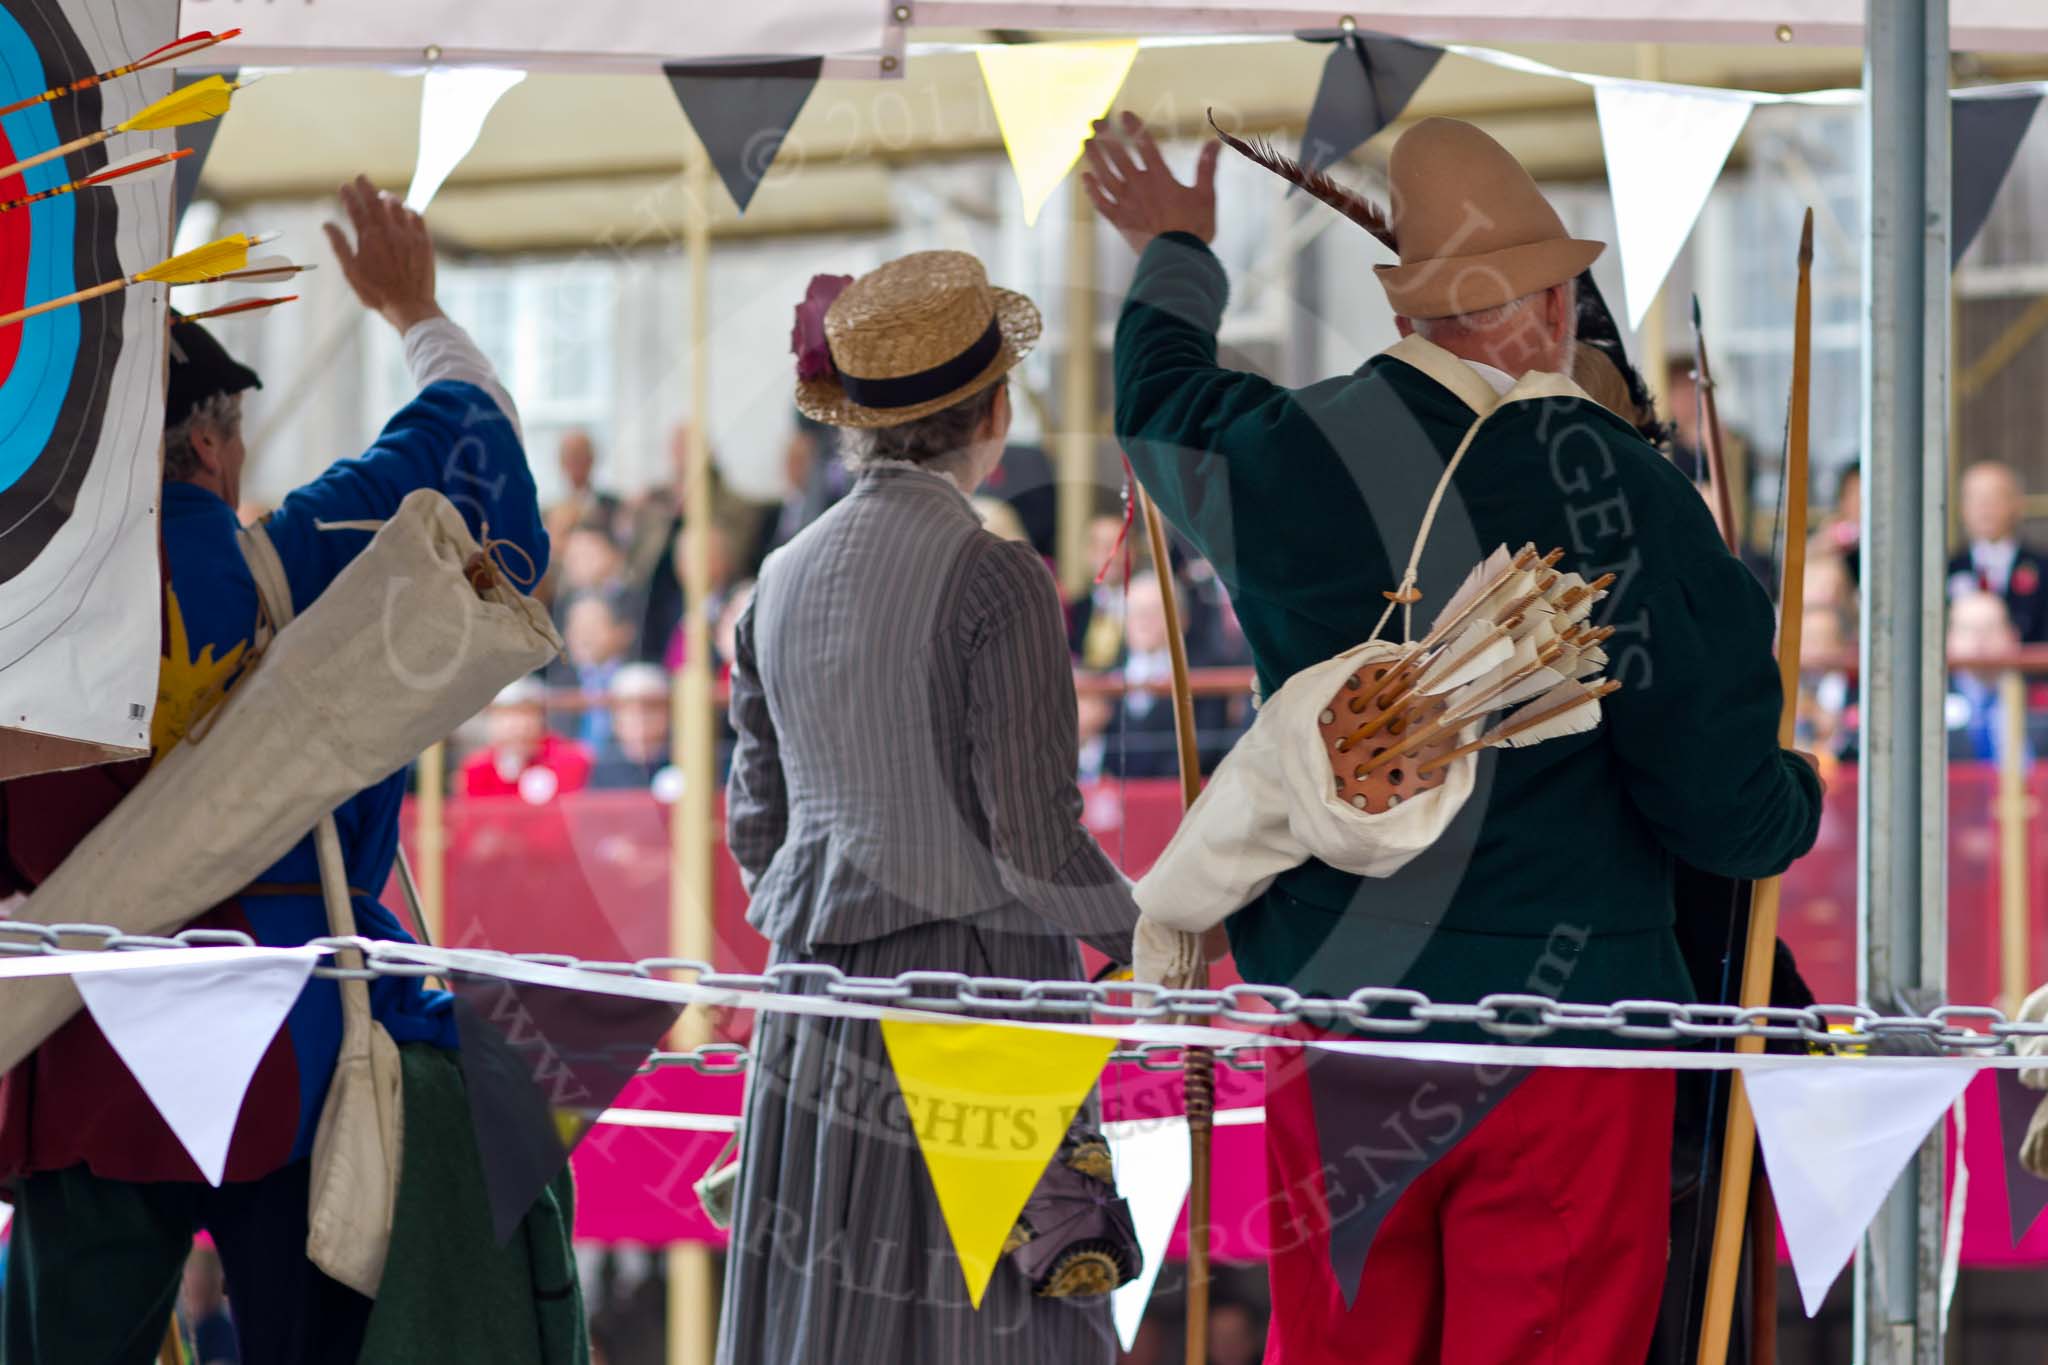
(81,388)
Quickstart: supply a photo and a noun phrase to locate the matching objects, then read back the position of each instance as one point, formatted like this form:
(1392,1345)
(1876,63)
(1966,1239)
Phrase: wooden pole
(1076,445)
(2015,915)
(1738,1150)
(1198,1076)
(431,836)
(692,1311)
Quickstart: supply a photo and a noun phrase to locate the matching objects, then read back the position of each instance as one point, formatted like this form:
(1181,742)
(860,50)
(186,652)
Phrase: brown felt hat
(916,336)
(1475,232)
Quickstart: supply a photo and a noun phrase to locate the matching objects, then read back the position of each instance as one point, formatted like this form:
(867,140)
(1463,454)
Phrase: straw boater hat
(1475,232)
(908,339)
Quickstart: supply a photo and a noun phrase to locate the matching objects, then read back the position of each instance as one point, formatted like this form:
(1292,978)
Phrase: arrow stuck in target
(202,265)
(196,103)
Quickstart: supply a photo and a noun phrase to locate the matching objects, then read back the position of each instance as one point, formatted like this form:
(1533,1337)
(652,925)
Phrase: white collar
(1468,380)
(1501,380)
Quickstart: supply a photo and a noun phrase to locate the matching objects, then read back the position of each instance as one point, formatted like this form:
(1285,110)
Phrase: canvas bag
(400,649)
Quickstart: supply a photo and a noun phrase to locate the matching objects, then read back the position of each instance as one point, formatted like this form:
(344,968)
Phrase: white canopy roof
(576,35)
(616,34)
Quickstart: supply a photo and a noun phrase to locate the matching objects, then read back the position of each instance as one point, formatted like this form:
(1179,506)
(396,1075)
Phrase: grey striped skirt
(839,1254)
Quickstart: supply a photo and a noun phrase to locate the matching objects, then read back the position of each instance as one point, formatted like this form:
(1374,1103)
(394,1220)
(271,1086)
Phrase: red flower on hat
(807,338)
(2026,580)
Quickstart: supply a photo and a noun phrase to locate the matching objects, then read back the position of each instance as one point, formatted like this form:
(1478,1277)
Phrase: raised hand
(1132,188)
(391,264)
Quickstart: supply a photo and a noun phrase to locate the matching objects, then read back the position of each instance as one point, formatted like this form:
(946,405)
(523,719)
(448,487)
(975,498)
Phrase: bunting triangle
(192,1035)
(1984,137)
(1153,1166)
(1046,96)
(2026,1194)
(454,102)
(1367,82)
(989,1105)
(198,137)
(1835,1139)
(1665,147)
(1395,1118)
(742,112)
(540,1063)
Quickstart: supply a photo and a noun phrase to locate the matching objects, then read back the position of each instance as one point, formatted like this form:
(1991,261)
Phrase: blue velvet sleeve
(453,438)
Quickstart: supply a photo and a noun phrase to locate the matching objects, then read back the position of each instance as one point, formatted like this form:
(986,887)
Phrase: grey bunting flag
(1984,137)
(1367,82)
(2026,1194)
(199,138)
(742,112)
(1381,1122)
(540,1063)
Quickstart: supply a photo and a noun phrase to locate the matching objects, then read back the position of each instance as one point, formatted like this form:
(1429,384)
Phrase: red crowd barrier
(587,874)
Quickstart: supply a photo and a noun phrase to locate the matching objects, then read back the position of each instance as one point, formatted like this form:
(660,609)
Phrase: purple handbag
(1074,1238)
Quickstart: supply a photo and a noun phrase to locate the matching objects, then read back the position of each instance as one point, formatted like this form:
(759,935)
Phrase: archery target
(81,388)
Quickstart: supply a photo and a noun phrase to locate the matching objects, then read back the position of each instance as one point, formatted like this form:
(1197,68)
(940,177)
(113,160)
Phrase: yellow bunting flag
(1046,95)
(989,1105)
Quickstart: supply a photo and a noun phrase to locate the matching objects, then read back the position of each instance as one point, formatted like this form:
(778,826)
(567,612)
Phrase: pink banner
(587,874)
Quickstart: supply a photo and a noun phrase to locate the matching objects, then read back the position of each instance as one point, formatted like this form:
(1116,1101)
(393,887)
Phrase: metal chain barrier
(1371,1010)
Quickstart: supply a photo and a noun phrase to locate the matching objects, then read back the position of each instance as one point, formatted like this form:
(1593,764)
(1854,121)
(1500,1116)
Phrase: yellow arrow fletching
(203,263)
(196,103)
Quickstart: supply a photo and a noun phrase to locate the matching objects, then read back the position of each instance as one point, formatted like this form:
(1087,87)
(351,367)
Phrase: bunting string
(1977,1034)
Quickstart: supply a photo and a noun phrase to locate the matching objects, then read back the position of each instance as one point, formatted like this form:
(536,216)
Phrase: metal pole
(1902,818)
(1077,397)
(692,1310)
(2015,914)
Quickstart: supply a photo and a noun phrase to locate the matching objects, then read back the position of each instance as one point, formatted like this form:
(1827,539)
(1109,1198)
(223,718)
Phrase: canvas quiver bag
(416,635)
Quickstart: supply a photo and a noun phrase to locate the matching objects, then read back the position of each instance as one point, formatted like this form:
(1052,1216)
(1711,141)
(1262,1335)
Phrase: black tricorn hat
(201,369)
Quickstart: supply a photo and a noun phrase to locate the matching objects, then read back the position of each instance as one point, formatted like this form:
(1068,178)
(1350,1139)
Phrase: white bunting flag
(1046,97)
(1665,147)
(1835,1138)
(1152,1171)
(192,1032)
(454,102)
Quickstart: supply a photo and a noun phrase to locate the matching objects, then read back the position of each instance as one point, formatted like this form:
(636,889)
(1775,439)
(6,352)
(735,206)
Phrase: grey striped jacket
(904,702)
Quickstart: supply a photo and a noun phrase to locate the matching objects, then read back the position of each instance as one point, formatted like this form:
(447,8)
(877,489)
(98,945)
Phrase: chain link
(1373,1011)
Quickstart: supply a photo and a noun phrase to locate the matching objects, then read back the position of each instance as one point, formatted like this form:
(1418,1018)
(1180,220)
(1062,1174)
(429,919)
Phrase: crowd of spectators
(1997,603)
(598,717)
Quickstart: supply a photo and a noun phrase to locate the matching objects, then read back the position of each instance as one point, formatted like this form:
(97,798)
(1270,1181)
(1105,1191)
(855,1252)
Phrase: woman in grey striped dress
(902,796)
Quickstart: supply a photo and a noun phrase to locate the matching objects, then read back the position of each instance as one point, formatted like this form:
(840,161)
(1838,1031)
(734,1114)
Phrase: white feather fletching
(1564,584)
(1535,685)
(1476,582)
(1583,608)
(1572,708)
(268,270)
(1473,692)
(1592,659)
(1539,623)
(1479,649)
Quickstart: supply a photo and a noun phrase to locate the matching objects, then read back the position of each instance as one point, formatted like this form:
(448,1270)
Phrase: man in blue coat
(106,1199)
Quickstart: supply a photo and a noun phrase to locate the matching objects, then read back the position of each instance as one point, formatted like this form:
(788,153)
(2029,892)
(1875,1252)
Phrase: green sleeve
(1176,407)
(1695,725)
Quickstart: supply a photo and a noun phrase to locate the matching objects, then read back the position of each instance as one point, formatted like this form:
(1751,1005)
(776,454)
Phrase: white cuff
(437,349)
